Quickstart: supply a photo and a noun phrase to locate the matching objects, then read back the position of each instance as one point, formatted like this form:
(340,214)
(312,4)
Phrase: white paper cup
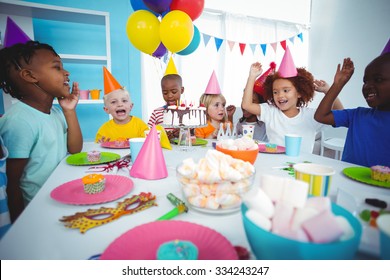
(135,147)
(292,144)
(319,177)
(383,223)
(248,130)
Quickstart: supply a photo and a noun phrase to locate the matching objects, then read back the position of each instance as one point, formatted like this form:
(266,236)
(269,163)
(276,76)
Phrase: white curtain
(230,65)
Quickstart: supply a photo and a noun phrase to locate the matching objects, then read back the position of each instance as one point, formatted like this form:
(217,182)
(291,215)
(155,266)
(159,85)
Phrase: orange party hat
(150,162)
(213,85)
(258,87)
(287,67)
(171,67)
(110,83)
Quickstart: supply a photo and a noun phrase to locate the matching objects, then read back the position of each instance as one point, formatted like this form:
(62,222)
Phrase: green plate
(363,174)
(82,159)
(198,142)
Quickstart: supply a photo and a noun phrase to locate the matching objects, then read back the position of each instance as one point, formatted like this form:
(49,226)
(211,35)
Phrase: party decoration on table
(122,163)
(171,68)
(14,34)
(289,167)
(97,217)
(110,83)
(197,142)
(143,241)
(258,87)
(73,192)
(82,158)
(213,85)
(287,67)
(118,144)
(387,48)
(363,174)
(278,149)
(180,207)
(150,162)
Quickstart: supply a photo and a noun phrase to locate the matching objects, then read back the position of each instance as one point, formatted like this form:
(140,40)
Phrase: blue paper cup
(292,144)
(383,223)
(135,147)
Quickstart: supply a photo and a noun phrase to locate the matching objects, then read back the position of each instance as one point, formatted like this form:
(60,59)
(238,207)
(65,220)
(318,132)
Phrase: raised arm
(322,86)
(342,76)
(247,103)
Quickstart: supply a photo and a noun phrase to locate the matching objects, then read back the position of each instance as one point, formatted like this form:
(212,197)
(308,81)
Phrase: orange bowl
(245,155)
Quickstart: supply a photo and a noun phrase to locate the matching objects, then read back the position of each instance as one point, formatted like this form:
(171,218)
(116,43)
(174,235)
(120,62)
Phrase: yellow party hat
(171,68)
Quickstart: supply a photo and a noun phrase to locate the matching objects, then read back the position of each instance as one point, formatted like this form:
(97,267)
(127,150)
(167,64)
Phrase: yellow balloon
(143,31)
(176,30)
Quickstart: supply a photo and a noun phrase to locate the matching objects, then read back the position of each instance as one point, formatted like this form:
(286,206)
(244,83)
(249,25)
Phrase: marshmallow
(258,219)
(320,203)
(347,228)
(301,215)
(273,186)
(297,234)
(260,202)
(295,192)
(282,217)
(323,228)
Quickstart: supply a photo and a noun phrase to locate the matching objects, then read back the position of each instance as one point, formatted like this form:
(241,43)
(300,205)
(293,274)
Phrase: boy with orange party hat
(288,92)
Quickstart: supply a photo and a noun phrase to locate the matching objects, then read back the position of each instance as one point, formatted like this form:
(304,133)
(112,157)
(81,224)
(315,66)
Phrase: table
(38,233)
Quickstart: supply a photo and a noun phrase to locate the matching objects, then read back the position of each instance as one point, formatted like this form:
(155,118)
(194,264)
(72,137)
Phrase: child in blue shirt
(368,136)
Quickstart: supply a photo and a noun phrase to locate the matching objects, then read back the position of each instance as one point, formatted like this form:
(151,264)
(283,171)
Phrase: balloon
(194,43)
(193,8)
(143,31)
(176,31)
(158,6)
(140,5)
(160,51)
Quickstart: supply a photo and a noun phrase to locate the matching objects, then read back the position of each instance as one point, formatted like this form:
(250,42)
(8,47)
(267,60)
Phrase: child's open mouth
(121,112)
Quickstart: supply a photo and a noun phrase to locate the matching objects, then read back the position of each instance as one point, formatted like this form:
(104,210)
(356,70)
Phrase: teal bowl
(268,246)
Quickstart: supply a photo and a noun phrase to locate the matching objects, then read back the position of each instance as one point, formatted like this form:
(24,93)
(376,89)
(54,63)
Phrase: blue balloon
(140,5)
(194,43)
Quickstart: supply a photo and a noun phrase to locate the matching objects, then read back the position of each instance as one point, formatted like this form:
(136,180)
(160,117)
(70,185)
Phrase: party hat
(171,68)
(387,48)
(213,85)
(258,87)
(150,162)
(110,84)
(14,34)
(287,68)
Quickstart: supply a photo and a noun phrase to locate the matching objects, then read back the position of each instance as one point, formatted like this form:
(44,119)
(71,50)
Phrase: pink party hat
(213,85)
(14,34)
(150,162)
(387,48)
(287,68)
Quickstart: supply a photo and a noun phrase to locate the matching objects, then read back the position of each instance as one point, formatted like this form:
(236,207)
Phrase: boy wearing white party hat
(288,91)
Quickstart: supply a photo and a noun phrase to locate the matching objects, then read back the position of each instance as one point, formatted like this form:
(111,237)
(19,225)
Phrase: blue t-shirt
(5,221)
(368,136)
(42,138)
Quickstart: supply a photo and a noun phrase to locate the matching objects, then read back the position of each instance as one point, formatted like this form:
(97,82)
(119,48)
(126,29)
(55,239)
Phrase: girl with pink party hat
(288,92)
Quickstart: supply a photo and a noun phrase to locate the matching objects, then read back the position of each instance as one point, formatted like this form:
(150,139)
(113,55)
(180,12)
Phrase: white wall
(350,28)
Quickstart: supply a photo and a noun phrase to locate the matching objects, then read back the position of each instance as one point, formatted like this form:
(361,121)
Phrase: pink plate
(73,192)
(114,145)
(142,242)
(279,149)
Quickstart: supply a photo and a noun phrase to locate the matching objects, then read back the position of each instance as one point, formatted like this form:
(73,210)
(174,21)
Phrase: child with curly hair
(288,93)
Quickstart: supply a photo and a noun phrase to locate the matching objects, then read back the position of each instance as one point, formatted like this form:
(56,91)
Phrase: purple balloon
(160,51)
(158,6)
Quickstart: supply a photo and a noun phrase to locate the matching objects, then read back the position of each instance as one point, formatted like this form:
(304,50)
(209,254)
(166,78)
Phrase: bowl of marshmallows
(244,148)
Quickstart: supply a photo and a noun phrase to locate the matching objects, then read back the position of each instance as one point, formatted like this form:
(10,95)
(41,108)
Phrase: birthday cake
(177,250)
(380,173)
(93,183)
(185,115)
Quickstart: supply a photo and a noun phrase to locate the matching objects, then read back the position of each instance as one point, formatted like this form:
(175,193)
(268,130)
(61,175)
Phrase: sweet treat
(93,156)
(177,250)
(120,142)
(240,144)
(271,148)
(185,115)
(380,173)
(93,183)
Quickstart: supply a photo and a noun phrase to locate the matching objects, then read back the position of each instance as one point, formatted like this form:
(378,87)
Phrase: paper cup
(95,94)
(248,130)
(135,147)
(292,144)
(383,223)
(319,177)
(84,94)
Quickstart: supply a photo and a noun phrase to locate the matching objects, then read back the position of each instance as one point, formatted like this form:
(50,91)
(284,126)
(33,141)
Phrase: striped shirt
(157,117)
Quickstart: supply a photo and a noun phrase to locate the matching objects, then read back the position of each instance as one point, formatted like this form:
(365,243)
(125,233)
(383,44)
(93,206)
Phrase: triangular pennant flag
(218,42)
(300,36)
(213,85)
(171,68)
(253,47)
(274,46)
(242,47)
(387,48)
(283,44)
(110,83)
(292,39)
(206,39)
(231,45)
(14,34)
(263,48)
(287,67)
(150,162)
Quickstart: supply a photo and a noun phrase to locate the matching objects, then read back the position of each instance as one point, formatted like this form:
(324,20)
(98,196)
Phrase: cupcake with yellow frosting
(93,183)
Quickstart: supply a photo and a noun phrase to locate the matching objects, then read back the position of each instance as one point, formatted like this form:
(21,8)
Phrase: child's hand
(321,86)
(230,110)
(256,69)
(103,140)
(69,103)
(343,75)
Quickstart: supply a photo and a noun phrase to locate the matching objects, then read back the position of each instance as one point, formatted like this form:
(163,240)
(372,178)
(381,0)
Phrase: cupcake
(272,148)
(380,173)
(93,156)
(177,250)
(93,183)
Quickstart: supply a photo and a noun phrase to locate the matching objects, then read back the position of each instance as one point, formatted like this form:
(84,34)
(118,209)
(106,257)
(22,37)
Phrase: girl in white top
(286,111)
